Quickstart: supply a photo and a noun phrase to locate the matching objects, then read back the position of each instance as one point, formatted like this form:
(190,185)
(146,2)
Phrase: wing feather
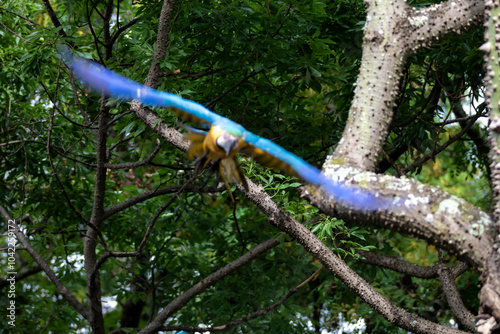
(270,154)
(107,82)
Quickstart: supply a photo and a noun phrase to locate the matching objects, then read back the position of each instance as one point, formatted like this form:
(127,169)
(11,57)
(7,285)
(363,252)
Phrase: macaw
(223,140)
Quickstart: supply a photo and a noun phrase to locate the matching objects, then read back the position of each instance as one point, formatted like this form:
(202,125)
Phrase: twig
(441,148)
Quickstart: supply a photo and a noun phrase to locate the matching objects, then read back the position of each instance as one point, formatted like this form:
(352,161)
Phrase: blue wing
(270,154)
(107,82)
(263,150)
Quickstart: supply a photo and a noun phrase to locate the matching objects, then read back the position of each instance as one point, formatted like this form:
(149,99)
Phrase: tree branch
(443,220)
(121,29)
(393,32)
(346,275)
(205,283)
(457,306)
(23,275)
(46,268)
(136,163)
(108,212)
(161,43)
(97,218)
(441,148)
(54,19)
(405,267)
(249,317)
(490,292)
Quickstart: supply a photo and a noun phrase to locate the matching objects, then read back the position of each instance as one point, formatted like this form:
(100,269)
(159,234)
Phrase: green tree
(115,235)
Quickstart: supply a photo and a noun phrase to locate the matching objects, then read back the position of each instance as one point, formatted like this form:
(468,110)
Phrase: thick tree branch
(161,43)
(474,133)
(429,213)
(97,218)
(62,188)
(393,31)
(53,18)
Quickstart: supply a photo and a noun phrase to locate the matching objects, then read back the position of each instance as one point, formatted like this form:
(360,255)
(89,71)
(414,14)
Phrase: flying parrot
(224,139)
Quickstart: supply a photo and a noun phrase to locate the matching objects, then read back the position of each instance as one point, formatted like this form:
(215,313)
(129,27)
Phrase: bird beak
(227,142)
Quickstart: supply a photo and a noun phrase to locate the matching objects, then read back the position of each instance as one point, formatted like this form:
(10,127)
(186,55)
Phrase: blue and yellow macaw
(224,139)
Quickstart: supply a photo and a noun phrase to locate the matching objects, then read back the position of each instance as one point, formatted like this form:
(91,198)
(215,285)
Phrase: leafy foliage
(285,71)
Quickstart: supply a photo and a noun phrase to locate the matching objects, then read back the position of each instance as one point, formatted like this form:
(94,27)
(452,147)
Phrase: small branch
(433,99)
(109,254)
(159,212)
(92,31)
(459,120)
(158,192)
(457,306)
(86,117)
(121,141)
(441,148)
(198,75)
(21,141)
(58,179)
(206,283)
(392,163)
(137,163)
(53,18)
(54,102)
(30,22)
(267,7)
(46,268)
(121,29)
(14,33)
(27,273)
(248,317)
(441,19)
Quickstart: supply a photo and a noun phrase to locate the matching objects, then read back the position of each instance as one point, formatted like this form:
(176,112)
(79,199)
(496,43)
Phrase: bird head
(228,143)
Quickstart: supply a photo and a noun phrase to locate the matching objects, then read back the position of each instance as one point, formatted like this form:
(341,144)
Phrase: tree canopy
(113,234)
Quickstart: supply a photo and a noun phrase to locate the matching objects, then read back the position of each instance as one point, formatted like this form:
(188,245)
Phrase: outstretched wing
(107,82)
(264,151)
(269,154)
